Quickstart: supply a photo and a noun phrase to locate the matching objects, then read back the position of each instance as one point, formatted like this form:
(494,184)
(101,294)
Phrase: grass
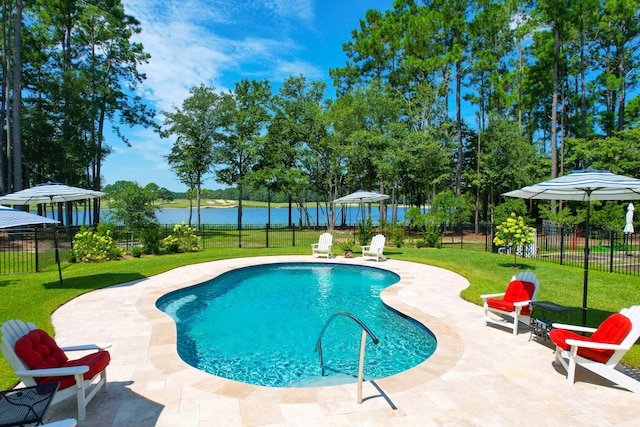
(34,297)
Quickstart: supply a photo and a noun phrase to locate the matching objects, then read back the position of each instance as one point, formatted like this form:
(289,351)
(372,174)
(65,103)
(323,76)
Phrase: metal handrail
(365,331)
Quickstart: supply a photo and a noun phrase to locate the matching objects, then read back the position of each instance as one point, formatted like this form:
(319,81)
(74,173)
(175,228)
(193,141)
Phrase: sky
(217,43)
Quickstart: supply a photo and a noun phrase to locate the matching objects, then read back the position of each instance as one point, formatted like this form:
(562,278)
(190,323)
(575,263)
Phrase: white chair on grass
(36,358)
(602,351)
(515,305)
(375,249)
(323,247)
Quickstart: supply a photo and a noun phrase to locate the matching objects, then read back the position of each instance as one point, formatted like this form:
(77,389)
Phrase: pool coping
(164,357)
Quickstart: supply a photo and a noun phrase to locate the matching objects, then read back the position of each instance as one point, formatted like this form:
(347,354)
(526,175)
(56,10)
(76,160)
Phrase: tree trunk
(16,130)
(621,90)
(190,191)
(198,206)
(554,107)
(240,195)
(459,131)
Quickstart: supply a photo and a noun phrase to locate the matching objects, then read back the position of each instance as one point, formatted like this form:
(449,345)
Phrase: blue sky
(219,42)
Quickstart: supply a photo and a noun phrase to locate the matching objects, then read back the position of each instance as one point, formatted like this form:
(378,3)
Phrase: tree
(197,127)
(296,129)
(131,204)
(77,70)
(245,112)
(618,39)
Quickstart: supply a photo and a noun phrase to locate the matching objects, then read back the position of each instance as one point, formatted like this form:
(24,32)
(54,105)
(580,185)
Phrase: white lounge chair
(602,351)
(36,358)
(323,247)
(515,305)
(375,249)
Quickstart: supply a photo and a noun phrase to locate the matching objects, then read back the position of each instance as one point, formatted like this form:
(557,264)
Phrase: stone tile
(478,375)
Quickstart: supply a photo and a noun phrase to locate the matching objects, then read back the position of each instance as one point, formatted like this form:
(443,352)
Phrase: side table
(540,327)
(27,405)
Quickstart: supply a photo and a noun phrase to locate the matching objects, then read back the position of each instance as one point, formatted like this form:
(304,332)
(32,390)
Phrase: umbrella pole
(55,242)
(586,261)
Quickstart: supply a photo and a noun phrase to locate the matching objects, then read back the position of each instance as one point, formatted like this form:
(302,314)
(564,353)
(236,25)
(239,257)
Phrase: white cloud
(217,43)
(187,49)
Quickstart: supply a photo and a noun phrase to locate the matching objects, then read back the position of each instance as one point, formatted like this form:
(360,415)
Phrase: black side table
(27,405)
(540,327)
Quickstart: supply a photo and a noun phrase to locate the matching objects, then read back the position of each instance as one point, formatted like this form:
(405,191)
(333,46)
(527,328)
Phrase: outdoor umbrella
(50,193)
(361,197)
(628,227)
(14,218)
(583,186)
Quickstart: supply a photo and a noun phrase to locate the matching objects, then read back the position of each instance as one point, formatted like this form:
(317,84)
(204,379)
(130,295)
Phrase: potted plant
(347,247)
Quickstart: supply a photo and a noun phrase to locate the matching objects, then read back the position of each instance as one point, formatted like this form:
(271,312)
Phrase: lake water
(352,216)
(260,216)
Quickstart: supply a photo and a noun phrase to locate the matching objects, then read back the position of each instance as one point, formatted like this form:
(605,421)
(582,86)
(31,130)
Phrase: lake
(352,214)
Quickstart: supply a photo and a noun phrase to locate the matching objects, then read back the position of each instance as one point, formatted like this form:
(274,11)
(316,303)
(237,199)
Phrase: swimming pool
(260,325)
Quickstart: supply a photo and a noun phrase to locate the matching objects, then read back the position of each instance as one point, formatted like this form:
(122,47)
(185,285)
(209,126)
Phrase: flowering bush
(347,245)
(94,246)
(513,233)
(183,239)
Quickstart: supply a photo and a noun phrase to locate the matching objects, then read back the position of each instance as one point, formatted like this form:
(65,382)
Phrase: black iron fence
(32,249)
(27,250)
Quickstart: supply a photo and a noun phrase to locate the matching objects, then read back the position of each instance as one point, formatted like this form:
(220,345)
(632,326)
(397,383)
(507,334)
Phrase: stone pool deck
(478,375)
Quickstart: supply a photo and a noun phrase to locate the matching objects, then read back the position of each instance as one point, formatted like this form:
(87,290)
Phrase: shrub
(94,246)
(182,239)
(432,235)
(347,245)
(513,233)
(151,237)
(396,234)
(136,251)
(365,231)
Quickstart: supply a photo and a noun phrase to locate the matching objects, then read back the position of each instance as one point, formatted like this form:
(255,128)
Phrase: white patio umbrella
(50,192)
(14,218)
(585,186)
(361,197)
(628,227)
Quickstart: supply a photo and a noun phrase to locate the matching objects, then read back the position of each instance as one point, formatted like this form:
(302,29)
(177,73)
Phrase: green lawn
(33,297)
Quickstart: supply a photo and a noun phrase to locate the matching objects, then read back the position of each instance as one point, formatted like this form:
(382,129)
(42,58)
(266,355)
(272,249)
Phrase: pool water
(260,325)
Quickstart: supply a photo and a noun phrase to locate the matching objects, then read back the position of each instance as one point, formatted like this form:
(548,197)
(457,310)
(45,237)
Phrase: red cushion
(39,351)
(560,336)
(516,291)
(97,362)
(612,331)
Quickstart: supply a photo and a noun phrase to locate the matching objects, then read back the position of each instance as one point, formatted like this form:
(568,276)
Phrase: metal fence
(610,251)
(28,250)
(32,249)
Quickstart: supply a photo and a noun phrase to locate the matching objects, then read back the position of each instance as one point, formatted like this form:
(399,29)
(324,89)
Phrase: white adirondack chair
(375,249)
(602,351)
(83,388)
(515,305)
(323,247)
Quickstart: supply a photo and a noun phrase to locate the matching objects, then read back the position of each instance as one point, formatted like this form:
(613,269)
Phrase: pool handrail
(365,331)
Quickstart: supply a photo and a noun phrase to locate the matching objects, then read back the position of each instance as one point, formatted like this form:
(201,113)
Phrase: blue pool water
(259,325)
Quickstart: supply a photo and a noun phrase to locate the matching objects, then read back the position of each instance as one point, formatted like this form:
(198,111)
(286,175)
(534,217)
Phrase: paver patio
(478,375)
